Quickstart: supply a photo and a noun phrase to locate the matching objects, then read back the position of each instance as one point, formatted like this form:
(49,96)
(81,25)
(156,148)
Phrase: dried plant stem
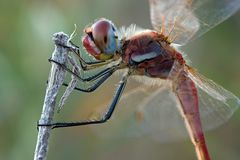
(55,80)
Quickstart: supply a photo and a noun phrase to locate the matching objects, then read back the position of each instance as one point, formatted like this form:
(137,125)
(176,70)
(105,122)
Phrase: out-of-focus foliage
(26,28)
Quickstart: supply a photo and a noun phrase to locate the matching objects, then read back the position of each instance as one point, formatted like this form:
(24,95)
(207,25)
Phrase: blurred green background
(26,28)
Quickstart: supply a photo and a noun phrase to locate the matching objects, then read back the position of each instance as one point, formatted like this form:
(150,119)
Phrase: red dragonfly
(166,81)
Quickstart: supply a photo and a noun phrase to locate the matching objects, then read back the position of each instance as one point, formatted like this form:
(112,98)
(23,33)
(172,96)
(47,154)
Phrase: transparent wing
(217,104)
(148,110)
(160,117)
(151,110)
(162,120)
(183,20)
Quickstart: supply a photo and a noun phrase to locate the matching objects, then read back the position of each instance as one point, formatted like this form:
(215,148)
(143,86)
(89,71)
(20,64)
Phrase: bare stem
(55,80)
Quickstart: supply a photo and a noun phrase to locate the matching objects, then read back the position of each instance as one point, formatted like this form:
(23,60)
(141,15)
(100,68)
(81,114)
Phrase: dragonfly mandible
(150,56)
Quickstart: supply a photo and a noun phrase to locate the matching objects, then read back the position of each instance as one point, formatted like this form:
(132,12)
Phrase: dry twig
(55,80)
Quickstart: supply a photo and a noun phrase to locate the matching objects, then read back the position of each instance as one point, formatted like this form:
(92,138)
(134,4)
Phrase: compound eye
(100,33)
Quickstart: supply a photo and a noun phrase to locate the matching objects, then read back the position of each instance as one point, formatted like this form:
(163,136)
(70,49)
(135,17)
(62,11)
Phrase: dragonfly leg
(84,64)
(91,78)
(91,65)
(93,87)
(105,117)
(75,49)
(188,97)
(101,77)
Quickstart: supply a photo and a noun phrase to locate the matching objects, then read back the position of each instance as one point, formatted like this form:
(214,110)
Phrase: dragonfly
(167,90)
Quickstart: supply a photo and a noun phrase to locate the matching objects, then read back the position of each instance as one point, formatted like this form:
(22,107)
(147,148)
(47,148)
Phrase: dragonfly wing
(147,110)
(123,121)
(161,119)
(184,20)
(150,109)
(160,115)
(216,104)
(174,18)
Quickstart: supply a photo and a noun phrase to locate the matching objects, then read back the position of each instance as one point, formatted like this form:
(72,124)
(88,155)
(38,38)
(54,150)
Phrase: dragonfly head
(101,40)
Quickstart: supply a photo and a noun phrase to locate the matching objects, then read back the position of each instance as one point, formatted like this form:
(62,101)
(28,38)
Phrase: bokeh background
(26,28)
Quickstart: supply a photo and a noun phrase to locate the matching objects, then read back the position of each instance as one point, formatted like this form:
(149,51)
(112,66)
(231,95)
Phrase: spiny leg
(75,49)
(101,77)
(91,65)
(105,117)
(95,85)
(72,86)
(91,78)
(84,64)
